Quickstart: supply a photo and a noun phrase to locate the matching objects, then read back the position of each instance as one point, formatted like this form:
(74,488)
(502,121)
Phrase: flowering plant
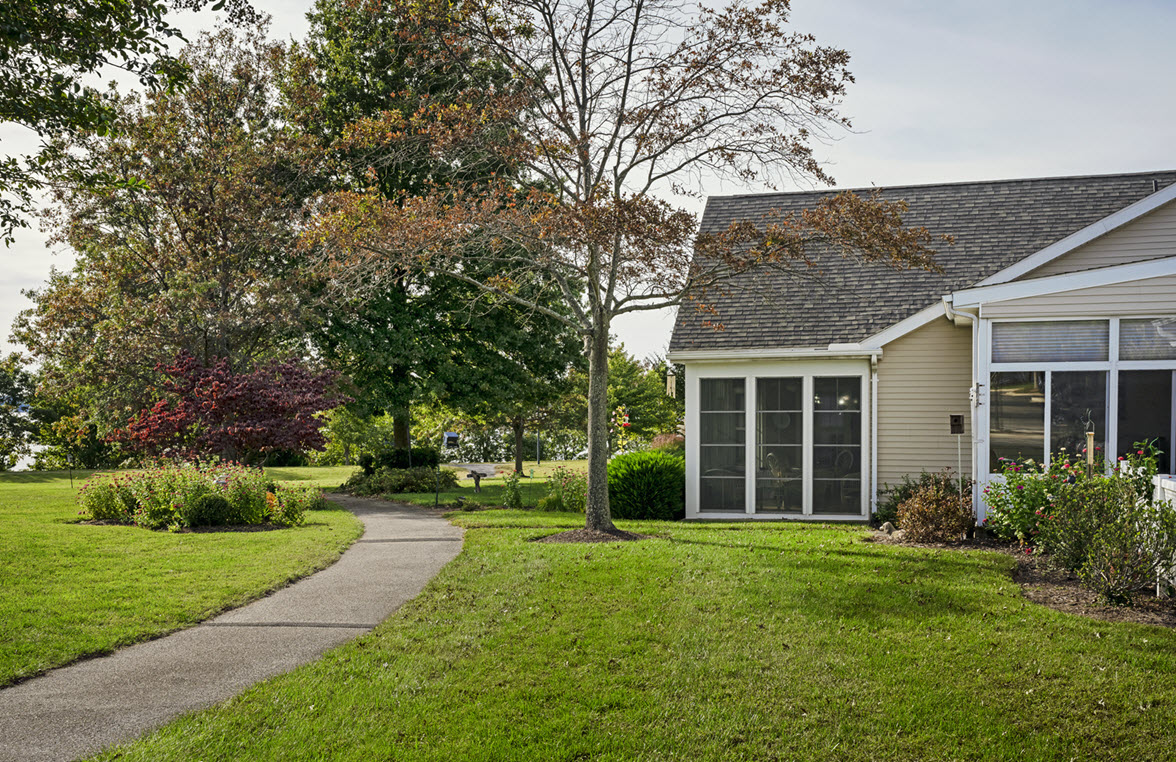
(175,496)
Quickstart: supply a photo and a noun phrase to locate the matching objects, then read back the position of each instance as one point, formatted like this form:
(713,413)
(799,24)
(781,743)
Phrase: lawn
(533,485)
(74,590)
(708,642)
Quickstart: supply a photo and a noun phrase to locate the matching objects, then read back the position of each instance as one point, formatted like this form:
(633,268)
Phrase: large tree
(194,252)
(48,48)
(413,334)
(613,105)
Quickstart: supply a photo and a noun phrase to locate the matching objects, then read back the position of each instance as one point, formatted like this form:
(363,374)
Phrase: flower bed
(176,497)
(1106,526)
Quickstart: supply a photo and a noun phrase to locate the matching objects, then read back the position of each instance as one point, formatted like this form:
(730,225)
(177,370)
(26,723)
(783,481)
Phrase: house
(1055,312)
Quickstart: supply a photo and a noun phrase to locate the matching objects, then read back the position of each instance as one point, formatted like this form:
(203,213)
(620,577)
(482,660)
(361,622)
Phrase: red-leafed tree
(209,410)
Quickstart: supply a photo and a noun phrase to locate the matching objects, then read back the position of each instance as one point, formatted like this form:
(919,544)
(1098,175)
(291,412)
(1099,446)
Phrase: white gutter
(848,351)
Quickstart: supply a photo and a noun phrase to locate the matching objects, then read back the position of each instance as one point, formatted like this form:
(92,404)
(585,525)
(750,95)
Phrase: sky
(945,91)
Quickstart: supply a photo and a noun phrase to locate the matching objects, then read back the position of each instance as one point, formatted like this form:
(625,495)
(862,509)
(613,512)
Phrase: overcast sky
(946,91)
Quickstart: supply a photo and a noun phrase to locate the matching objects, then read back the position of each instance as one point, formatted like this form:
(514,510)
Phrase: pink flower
(1139,453)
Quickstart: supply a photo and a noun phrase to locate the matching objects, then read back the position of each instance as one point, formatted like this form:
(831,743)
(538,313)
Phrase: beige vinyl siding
(1150,296)
(1152,236)
(923,378)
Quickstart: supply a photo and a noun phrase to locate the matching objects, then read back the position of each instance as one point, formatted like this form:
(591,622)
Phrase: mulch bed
(1057,589)
(592,535)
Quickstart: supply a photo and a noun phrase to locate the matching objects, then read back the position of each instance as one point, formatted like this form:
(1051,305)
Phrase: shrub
(176,496)
(367,462)
(567,491)
(106,498)
(208,510)
(1078,511)
(391,481)
(892,497)
(937,512)
(1016,506)
(512,496)
(647,485)
(1131,551)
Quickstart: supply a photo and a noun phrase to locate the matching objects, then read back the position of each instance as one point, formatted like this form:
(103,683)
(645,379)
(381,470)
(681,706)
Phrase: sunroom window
(837,445)
(722,452)
(779,427)
(1068,341)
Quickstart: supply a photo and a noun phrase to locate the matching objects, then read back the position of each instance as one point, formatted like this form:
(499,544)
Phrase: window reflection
(1017,418)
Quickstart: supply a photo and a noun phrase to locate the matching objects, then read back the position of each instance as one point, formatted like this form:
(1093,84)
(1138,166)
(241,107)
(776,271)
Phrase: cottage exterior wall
(923,378)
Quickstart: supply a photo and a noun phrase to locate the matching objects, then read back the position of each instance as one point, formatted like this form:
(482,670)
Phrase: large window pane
(837,427)
(1017,417)
(779,456)
(722,455)
(778,495)
(1070,341)
(721,394)
(1077,404)
(1153,339)
(1145,411)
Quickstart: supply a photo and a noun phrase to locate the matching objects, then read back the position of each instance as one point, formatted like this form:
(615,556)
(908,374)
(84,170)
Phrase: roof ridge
(953,184)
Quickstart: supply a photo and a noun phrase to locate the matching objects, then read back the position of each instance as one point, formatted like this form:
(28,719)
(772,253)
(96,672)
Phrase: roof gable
(995,225)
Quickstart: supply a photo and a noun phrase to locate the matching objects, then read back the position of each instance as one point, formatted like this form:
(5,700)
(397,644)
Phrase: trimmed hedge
(647,485)
(390,481)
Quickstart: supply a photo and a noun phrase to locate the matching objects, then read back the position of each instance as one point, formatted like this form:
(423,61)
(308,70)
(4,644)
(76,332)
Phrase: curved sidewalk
(83,708)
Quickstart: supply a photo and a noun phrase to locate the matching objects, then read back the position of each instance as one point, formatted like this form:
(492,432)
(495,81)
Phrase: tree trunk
(400,423)
(599,517)
(516,423)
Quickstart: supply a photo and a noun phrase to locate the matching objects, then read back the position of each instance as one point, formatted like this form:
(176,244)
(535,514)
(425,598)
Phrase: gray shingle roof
(995,224)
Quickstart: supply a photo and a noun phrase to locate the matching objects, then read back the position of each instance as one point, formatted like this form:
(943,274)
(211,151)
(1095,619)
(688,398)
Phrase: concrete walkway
(83,708)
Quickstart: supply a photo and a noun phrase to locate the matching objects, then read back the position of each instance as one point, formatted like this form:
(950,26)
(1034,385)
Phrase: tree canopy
(195,252)
(608,107)
(47,49)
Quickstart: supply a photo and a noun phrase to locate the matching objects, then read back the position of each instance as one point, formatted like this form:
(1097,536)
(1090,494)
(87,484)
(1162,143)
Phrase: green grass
(533,488)
(72,590)
(708,642)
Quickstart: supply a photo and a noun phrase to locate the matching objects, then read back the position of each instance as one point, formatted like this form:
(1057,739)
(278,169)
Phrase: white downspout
(955,316)
(873,434)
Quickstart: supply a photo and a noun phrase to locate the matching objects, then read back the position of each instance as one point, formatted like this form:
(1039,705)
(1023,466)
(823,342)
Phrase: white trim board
(1083,236)
(833,352)
(1003,292)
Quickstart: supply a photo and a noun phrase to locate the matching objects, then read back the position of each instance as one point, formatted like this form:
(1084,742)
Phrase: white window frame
(1112,366)
(750,372)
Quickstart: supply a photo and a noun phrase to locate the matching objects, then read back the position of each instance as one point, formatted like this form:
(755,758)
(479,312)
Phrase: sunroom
(1059,357)
(779,438)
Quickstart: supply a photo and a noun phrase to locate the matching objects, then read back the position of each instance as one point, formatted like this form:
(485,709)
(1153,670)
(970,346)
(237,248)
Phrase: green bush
(391,481)
(208,510)
(107,498)
(176,496)
(937,512)
(567,491)
(892,497)
(1077,514)
(512,495)
(647,485)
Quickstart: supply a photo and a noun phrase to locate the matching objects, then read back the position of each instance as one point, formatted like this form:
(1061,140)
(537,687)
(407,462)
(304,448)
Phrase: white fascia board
(1104,276)
(903,327)
(1085,235)
(838,351)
